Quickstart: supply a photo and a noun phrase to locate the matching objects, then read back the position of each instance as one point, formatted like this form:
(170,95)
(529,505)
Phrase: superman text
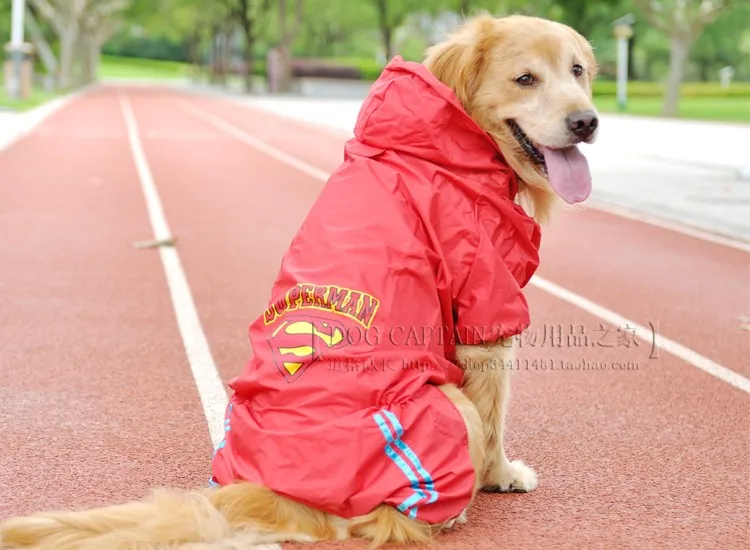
(354,304)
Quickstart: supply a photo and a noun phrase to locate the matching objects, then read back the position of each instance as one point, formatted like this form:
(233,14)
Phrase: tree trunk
(88,56)
(249,57)
(648,68)
(80,74)
(249,67)
(679,45)
(705,69)
(226,57)
(387,33)
(92,60)
(193,55)
(285,68)
(386,28)
(288,36)
(217,57)
(68,45)
(86,75)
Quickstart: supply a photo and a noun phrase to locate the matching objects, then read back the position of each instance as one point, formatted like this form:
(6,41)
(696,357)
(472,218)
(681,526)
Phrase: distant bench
(307,68)
(312,68)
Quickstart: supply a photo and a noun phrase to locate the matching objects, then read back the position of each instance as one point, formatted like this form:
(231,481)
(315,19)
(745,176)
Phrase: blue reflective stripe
(220,446)
(409,503)
(227,428)
(411,455)
(391,453)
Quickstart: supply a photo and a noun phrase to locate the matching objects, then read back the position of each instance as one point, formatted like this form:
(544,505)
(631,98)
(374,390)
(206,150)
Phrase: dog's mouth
(565,168)
(531,150)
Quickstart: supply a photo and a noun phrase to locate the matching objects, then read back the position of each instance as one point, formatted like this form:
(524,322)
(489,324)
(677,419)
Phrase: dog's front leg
(487,384)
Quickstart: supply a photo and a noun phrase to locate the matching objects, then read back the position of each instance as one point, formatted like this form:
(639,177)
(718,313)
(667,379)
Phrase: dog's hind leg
(487,383)
(473,420)
(386,524)
(477,449)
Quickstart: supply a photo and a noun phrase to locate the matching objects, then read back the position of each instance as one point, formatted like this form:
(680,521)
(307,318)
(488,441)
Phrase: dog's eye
(525,80)
(577,70)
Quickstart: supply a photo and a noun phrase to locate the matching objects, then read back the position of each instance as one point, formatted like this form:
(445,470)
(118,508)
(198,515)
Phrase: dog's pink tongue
(568,173)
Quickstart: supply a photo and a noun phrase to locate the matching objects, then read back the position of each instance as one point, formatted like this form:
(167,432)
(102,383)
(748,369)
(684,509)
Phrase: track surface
(98,402)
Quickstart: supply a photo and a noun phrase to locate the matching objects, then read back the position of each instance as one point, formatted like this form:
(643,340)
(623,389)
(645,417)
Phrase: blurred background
(686,58)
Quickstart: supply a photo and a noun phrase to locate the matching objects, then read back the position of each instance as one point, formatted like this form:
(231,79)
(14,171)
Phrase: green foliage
(728,109)
(129,67)
(157,47)
(36,98)
(5,11)
(173,19)
(351,28)
(333,27)
(726,42)
(639,89)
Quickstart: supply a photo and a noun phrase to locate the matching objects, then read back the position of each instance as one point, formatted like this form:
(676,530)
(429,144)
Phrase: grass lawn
(726,109)
(131,67)
(36,98)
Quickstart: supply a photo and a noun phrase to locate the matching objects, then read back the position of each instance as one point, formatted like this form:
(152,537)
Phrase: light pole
(16,48)
(623,31)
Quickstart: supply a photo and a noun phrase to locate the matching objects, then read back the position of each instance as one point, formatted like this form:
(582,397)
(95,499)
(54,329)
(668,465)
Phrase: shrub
(689,89)
(370,70)
(328,68)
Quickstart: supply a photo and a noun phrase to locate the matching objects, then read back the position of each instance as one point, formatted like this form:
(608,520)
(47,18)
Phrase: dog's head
(527,82)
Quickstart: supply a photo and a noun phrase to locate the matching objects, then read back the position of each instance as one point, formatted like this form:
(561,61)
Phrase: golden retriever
(527,83)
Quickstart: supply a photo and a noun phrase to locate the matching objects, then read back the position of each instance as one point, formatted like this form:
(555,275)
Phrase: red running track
(97,398)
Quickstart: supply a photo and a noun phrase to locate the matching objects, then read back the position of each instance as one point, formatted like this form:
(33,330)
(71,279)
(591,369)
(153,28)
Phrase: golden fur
(480,63)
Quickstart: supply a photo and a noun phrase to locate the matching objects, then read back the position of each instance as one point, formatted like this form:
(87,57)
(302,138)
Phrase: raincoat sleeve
(490,305)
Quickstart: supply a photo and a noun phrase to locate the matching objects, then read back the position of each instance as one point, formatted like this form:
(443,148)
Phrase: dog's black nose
(582,123)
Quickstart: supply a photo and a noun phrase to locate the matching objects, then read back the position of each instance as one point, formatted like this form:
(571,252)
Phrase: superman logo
(299,340)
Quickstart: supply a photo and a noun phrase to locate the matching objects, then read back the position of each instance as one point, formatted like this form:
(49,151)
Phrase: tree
(98,22)
(391,14)
(63,16)
(248,14)
(288,35)
(588,17)
(722,43)
(82,27)
(189,22)
(334,23)
(683,22)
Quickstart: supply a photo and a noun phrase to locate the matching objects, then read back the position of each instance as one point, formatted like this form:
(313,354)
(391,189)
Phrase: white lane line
(646,334)
(238,134)
(674,226)
(211,389)
(689,356)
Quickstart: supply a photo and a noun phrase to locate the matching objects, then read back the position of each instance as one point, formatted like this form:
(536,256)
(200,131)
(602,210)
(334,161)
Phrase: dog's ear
(460,61)
(592,67)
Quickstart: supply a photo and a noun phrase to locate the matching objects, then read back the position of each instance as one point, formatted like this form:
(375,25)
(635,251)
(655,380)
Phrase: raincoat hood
(420,116)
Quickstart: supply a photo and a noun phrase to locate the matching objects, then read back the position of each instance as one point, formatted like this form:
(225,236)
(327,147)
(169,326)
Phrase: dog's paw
(513,477)
(462,518)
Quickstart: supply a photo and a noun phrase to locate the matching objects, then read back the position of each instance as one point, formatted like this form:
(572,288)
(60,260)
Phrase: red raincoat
(414,243)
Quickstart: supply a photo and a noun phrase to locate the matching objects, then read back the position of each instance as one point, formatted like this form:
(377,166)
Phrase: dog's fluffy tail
(233,516)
